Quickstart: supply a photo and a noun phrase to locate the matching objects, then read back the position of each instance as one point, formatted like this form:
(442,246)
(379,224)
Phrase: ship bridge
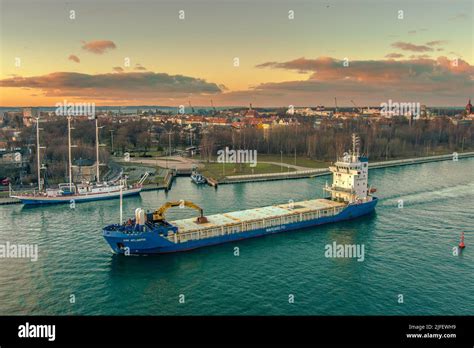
(350,176)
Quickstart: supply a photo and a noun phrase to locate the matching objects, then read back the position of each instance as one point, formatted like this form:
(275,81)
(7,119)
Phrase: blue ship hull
(154,243)
(80,199)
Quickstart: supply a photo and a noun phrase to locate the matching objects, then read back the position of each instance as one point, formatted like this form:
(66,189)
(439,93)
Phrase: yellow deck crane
(159,214)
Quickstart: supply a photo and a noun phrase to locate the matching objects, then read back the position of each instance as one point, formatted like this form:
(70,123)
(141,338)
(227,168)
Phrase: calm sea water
(407,251)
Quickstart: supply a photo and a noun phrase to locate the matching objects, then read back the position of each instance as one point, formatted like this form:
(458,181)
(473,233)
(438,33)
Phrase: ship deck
(256,214)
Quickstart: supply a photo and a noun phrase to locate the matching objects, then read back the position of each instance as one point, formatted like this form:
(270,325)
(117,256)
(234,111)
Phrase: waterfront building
(469,109)
(251,112)
(28,115)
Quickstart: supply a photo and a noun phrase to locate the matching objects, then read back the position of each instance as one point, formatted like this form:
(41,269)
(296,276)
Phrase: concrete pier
(233,179)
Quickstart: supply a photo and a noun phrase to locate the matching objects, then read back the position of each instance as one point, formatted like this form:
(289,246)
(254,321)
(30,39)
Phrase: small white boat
(198,179)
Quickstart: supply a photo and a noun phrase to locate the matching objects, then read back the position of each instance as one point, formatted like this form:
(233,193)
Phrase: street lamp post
(112,139)
(169,148)
(281,160)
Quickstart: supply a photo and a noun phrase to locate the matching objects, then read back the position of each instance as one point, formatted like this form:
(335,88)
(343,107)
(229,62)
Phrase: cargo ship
(348,197)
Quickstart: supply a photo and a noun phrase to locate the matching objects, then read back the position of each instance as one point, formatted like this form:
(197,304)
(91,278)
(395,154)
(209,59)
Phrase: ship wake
(442,194)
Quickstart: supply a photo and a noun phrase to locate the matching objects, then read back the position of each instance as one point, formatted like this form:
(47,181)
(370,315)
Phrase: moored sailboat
(71,192)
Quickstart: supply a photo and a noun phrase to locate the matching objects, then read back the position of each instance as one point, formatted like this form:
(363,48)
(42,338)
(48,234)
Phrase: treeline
(383,140)
(131,135)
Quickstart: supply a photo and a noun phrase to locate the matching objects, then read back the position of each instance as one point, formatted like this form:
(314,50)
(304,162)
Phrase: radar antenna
(355,144)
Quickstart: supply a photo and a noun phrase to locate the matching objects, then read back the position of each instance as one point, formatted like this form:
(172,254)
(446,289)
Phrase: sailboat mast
(38,153)
(97,149)
(121,202)
(69,151)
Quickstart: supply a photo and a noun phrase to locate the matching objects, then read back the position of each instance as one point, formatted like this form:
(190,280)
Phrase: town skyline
(301,53)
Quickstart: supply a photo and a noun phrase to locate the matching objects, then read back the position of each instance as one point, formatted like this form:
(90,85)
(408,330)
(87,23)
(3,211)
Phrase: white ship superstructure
(350,177)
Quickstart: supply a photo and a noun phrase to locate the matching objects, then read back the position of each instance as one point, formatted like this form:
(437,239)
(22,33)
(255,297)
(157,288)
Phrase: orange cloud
(133,85)
(74,58)
(436,42)
(327,68)
(420,56)
(394,55)
(98,46)
(431,81)
(406,46)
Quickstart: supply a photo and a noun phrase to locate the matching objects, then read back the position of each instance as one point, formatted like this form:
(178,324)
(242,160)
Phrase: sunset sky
(425,57)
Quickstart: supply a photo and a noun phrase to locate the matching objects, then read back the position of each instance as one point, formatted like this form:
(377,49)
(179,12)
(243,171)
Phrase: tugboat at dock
(349,197)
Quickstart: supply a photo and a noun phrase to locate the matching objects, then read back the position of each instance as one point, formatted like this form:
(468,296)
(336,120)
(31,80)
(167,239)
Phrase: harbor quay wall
(325,171)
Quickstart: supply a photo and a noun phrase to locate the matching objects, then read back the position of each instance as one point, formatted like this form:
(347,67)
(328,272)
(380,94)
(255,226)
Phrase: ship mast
(69,151)
(97,162)
(38,149)
(355,147)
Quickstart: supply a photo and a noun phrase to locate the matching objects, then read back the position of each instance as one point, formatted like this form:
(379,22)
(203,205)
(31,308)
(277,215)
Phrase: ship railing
(30,192)
(344,160)
(338,189)
(419,159)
